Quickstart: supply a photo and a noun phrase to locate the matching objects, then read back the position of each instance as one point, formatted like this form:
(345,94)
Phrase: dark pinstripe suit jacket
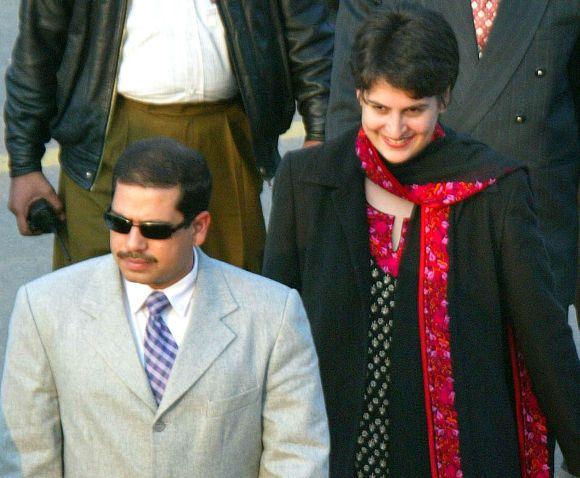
(522,98)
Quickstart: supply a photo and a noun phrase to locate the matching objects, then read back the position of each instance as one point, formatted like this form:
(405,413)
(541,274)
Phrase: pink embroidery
(532,429)
(434,321)
(435,199)
(535,431)
(381,244)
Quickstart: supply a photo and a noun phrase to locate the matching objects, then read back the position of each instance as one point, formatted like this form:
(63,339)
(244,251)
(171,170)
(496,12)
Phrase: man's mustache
(136,255)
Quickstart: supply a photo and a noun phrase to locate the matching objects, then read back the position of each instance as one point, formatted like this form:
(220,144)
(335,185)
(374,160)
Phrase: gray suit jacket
(243,400)
(522,98)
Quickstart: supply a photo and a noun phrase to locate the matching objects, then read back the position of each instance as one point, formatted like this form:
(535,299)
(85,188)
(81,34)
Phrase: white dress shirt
(177,316)
(175,51)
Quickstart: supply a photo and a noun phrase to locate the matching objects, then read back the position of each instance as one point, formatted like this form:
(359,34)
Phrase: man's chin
(139,277)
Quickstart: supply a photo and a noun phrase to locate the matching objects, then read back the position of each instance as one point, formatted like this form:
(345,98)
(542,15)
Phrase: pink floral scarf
(435,200)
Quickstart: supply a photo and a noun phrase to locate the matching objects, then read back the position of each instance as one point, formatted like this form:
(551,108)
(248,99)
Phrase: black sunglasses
(149,229)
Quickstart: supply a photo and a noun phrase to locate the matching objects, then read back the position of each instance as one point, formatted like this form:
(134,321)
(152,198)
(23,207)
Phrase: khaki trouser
(221,132)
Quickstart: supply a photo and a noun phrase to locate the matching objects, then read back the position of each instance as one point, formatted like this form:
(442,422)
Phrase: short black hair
(165,163)
(410,47)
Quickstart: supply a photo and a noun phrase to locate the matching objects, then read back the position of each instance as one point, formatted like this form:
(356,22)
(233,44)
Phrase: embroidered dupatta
(434,201)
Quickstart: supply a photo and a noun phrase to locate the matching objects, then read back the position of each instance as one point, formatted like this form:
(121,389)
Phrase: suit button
(159,426)
(520,119)
(540,72)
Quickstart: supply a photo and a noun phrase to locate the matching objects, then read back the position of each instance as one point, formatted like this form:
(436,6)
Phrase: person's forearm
(31,82)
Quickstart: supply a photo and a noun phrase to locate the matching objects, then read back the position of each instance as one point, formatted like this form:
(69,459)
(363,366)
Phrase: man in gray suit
(518,90)
(156,360)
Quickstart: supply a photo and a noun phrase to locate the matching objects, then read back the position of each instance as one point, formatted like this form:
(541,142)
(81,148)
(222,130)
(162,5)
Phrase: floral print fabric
(372,452)
(434,200)
(380,232)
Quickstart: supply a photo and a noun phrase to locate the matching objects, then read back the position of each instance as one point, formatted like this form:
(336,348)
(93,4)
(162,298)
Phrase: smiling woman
(425,278)
(398,125)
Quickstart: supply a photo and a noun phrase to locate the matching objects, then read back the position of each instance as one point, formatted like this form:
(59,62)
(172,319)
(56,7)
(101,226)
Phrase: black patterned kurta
(372,451)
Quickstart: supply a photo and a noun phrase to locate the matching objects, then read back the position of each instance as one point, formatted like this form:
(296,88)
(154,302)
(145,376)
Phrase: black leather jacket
(61,82)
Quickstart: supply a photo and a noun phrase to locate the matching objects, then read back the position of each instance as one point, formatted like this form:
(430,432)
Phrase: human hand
(26,189)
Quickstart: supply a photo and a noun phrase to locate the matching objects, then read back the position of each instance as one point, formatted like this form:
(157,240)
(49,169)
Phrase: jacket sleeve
(309,39)
(295,432)
(281,261)
(542,333)
(30,428)
(31,82)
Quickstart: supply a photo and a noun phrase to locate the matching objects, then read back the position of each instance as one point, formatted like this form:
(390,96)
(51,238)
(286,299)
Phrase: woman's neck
(389,203)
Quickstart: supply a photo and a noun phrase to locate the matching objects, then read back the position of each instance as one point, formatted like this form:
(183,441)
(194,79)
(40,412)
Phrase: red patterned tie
(484,13)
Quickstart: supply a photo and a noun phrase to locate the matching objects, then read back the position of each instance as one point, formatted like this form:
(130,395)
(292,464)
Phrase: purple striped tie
(160,347)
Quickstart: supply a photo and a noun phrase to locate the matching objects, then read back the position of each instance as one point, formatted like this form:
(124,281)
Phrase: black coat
(61,81)
(522,98)
(318,243)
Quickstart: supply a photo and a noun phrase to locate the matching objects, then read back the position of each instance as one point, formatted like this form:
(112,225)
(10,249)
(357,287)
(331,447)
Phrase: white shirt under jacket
(175,51)
(177,316)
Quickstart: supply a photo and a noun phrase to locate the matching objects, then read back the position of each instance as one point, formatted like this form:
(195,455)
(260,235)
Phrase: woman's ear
(444,100)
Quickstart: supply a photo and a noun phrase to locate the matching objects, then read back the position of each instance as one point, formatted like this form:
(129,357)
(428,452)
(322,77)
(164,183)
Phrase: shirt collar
(178,294)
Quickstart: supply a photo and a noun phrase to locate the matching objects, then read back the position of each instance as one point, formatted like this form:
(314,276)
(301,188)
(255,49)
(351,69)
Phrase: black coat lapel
(349,202)
(514,28)
(346,179)
(459,15)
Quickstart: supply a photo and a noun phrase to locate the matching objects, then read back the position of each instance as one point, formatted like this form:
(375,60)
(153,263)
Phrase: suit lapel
(206,336)
(512,33)
(109,332)
(459,15)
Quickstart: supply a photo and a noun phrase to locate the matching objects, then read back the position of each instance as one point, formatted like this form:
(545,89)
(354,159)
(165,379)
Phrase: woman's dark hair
(410,47)
(165,163)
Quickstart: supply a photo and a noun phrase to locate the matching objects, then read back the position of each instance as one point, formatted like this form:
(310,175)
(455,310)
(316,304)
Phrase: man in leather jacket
(84,72)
